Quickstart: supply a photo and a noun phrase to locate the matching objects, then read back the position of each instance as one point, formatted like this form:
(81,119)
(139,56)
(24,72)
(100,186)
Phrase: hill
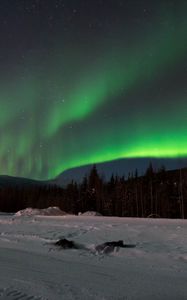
(11,181)
(121,167)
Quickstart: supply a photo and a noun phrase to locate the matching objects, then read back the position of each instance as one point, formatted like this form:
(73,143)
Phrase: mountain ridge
(121,167)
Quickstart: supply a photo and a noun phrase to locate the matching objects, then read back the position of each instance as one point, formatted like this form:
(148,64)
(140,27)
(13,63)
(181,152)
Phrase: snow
(32,268)
(90,213)
(50,211)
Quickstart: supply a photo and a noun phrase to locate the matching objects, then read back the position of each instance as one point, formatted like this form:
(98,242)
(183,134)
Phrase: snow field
(32,268)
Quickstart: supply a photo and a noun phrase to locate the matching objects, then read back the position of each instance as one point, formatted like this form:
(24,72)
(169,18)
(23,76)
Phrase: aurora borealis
(88,81)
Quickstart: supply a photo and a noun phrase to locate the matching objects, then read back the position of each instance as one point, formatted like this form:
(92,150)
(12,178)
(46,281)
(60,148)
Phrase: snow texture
(50,211)
(33,268)
(91,213)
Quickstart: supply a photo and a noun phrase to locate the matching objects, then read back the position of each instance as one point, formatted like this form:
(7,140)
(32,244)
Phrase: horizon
(118,167)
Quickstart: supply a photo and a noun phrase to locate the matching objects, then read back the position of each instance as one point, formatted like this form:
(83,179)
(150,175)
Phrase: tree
(95,190)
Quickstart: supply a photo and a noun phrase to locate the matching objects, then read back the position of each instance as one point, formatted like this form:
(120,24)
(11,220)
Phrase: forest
(158,193)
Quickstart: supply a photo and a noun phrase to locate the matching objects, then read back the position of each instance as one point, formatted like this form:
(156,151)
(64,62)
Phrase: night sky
(88,81)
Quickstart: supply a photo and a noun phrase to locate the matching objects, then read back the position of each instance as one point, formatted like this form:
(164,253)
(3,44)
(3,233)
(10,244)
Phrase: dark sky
(89,81)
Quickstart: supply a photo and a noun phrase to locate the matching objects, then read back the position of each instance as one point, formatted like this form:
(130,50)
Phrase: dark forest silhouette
(158,193)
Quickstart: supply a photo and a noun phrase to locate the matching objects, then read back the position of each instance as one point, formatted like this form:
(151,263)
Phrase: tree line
(158,193)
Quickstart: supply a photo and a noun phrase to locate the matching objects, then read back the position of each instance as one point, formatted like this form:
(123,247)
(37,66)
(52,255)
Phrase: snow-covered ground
(32,268)
(50,211)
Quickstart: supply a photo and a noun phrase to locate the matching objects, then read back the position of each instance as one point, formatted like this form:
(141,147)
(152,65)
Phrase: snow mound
(91,213)
(50,211)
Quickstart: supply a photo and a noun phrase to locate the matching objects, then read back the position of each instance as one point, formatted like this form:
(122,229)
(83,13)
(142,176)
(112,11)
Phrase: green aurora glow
(78,105)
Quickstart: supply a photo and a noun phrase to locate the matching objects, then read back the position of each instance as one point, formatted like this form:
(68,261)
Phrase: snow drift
(50,211)
(91,214)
